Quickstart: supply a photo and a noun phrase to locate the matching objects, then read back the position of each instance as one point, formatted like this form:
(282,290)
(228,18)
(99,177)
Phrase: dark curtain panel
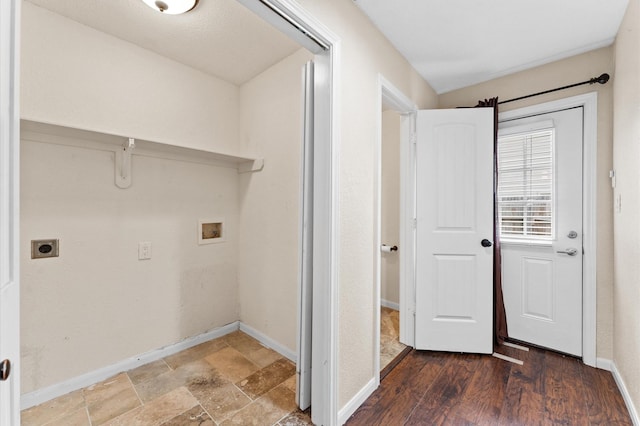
(500,316)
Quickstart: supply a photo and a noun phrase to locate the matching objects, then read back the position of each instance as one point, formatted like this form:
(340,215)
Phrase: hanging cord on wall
(602,80)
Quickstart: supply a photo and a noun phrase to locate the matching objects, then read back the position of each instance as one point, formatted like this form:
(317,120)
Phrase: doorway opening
(390,346)
(324,229)
(392,248)
(588,102)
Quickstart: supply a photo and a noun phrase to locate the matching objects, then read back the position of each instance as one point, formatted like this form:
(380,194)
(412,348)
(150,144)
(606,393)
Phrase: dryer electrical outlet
(44,248)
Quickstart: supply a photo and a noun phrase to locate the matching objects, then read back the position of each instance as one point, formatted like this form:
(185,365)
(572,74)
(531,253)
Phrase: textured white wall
(78,77)
(97,304)
(365,54)
(626,162)
(271,126)
(390,221)
(555,74)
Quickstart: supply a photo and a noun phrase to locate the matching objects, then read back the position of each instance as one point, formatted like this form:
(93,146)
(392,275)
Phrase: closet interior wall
(96,303)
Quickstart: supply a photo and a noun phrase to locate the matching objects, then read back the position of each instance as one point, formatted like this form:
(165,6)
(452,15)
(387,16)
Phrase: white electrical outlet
(144,250)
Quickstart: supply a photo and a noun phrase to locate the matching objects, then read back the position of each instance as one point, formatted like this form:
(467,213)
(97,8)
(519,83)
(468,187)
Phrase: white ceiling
(452,43)
(218,37)
(457,43)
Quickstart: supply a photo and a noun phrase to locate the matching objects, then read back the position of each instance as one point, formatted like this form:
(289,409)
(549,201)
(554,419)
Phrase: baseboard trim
(604,364)
(356,401)
(39,396)
(269,342)
(391,305)
(633,412)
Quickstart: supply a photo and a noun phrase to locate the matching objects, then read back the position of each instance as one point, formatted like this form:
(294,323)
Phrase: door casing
(9,208)
(589,102)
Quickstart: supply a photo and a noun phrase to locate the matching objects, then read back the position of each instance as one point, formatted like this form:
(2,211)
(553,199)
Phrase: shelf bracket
(123,164)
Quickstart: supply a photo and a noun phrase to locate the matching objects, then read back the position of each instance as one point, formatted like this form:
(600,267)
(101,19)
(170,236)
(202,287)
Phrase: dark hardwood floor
(437,388)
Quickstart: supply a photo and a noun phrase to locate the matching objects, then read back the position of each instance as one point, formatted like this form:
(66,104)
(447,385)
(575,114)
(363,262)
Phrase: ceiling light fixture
(171,7)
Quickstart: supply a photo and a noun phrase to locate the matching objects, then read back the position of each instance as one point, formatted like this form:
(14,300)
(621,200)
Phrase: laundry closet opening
(202,108)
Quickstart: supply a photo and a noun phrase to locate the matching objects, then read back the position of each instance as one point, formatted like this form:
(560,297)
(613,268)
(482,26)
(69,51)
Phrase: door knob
(486,243)
(569,251)
(5,370)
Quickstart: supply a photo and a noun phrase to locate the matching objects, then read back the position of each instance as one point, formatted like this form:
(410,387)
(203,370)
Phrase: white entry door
(454,214)
(540,205)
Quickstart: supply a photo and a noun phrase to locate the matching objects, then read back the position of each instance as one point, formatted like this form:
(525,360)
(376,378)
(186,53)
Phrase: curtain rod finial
(602,79)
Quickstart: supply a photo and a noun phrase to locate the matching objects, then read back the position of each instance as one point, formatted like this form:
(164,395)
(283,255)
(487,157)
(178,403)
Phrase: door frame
(9,207)
(289,17)
(589,103)
(301,26)
(399,102)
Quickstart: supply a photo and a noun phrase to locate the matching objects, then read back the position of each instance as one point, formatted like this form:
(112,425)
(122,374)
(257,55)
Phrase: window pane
(525,185)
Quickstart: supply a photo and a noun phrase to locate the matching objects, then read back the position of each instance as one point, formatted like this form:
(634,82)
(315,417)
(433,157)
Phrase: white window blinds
(525,185)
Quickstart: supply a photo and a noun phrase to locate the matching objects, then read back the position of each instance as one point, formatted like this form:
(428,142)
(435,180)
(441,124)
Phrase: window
(525,185)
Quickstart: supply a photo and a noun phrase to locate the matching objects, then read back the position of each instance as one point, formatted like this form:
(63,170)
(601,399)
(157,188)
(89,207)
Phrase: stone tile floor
(390,345)
(233,380)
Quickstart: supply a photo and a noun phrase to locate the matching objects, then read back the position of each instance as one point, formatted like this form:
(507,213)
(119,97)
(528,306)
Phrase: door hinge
(415,223)
(612,176)
(413,138)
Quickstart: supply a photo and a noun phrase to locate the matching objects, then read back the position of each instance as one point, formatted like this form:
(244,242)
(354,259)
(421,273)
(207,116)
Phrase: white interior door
(540,204)
(9,216)
(454,214)
(305,303)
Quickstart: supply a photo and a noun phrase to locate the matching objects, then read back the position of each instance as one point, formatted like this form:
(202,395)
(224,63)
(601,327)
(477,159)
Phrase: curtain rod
(602,80)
